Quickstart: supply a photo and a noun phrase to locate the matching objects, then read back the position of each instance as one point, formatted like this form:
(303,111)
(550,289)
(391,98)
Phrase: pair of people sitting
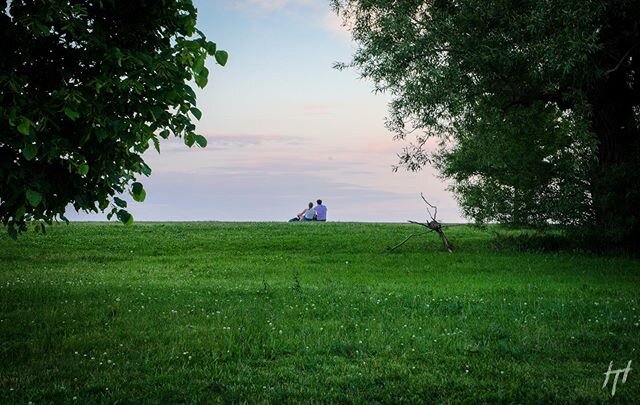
(319,213)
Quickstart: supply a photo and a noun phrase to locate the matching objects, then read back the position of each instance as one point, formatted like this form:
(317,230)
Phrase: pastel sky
(284,128)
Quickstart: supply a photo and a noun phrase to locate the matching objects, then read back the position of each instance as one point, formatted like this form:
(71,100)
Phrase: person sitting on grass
(321,211)
(307,214)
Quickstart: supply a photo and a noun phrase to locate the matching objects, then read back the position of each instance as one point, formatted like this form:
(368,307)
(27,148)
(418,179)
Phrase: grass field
(308,312)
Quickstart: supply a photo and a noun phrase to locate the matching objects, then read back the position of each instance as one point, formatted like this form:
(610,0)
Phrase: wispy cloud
(240,140)
(232,141)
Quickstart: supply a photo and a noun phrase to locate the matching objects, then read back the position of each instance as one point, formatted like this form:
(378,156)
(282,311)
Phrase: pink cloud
(334,24)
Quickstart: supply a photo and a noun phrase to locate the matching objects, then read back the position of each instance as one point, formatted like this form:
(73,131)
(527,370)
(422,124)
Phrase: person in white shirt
(307,214)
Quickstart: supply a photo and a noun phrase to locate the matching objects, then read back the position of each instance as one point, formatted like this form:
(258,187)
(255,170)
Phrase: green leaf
(222,57)
(196,113)
(40,29)
(25,126)
(145,169)
(120,202)
(101,134)
(30,150)
(210,47)
(198,65)
(189,139)
(136,187)
(72,114)
(125,217)
(201,141)
(137,192)
(202,78)
(20,213)
(103,204)
(111,213)
(156,143)
(189,95)
(83,169)
(34,198)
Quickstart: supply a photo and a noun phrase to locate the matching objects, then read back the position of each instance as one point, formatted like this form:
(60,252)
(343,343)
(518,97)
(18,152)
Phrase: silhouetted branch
(432,225)
(433,217)
(624,57)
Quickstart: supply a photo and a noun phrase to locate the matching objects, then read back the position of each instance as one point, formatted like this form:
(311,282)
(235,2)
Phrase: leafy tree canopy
(535,104)
(86,87)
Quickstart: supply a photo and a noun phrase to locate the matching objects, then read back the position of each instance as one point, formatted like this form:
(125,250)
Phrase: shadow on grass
(531,242)
(558,240)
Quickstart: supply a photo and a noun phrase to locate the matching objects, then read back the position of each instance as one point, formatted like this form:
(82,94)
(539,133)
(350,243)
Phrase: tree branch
(433,217)
(390,249)
(432,225)
(626,54)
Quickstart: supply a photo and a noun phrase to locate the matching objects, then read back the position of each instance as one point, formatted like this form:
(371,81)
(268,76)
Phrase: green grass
(308,312)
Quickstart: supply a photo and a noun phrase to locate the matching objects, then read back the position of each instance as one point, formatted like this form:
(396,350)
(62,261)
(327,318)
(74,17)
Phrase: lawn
(309,312)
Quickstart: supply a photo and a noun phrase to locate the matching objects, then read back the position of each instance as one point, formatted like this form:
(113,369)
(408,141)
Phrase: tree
(535,103)
(86,86)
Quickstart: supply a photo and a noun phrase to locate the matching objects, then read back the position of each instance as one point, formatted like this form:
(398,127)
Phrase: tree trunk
(616,175)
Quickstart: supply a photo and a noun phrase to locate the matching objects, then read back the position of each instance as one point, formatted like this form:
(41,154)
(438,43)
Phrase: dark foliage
(535,104)
(87,86)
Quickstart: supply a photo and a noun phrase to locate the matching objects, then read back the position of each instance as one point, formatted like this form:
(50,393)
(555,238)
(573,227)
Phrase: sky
(284,128)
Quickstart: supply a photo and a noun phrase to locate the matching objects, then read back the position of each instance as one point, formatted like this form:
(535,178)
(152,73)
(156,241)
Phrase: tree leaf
(120,202)
(137,192)
(202,79)
(20,213)
(101,134)
(124,217)
(196,113)
(201,141)
(145,169)
(83,169)
(199,64)
(189,139)
(72,114)
(30,151)
(25,126)
(34,198)
(103,204)
(222,57)
(210,47)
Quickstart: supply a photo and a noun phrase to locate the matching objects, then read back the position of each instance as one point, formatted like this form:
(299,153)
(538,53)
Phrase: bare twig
(433,217)
(389,249)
